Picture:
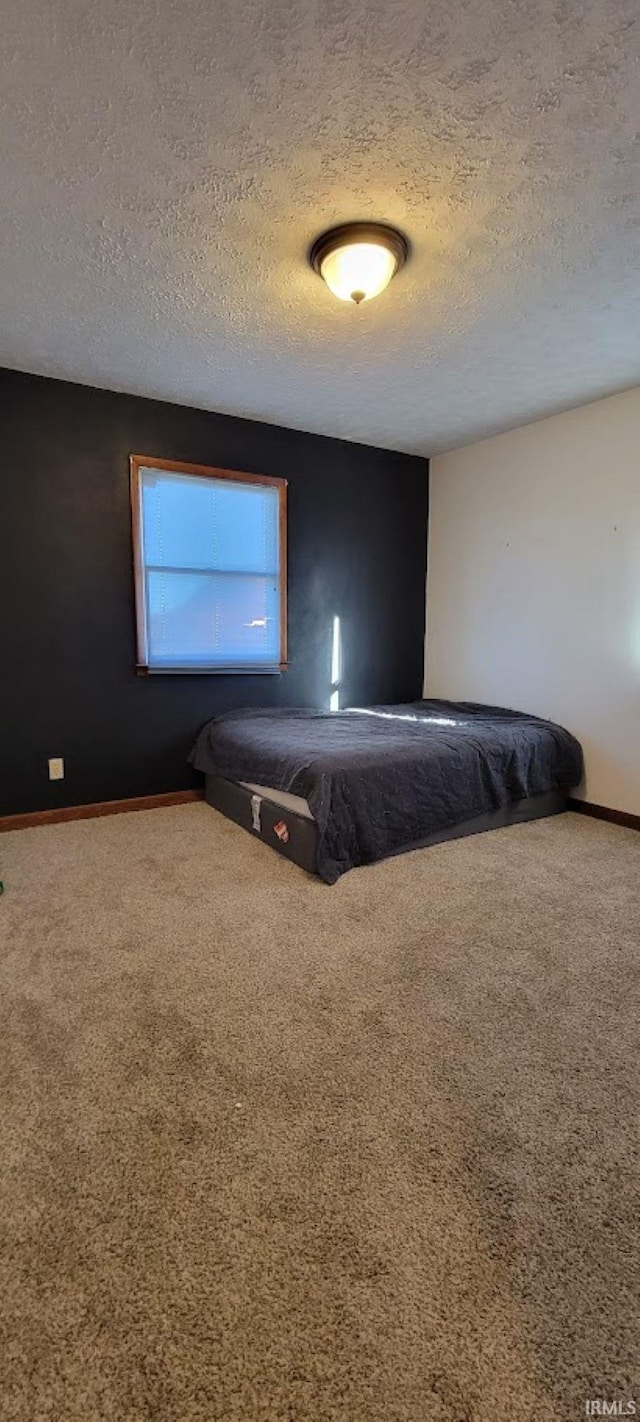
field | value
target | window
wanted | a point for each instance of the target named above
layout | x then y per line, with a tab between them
210	568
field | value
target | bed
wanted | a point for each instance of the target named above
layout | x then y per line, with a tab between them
335	790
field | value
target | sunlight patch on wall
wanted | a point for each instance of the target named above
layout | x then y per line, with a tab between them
336	665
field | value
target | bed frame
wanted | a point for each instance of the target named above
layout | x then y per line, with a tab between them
265	820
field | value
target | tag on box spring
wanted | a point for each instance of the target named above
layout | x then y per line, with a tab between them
256	801
282	832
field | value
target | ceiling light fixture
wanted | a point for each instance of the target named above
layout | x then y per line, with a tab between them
358	260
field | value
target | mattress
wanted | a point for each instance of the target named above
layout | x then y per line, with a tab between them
376	780
295	803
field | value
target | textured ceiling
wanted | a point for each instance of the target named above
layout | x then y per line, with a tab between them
165	164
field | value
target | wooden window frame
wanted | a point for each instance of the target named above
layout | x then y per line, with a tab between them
138	462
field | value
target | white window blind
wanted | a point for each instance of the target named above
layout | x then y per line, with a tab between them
209	571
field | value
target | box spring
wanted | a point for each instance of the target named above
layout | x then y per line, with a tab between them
266	820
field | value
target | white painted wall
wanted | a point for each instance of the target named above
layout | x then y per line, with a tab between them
534	582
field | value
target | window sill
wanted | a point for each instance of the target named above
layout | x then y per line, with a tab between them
212	671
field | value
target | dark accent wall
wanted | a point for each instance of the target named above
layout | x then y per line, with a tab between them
357	547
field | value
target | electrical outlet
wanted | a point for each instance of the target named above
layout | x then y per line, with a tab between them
56	768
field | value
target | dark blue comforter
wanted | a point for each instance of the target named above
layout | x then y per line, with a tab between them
381	778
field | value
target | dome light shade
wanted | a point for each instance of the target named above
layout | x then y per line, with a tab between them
358	260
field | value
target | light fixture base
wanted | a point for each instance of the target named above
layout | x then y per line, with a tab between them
350	232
